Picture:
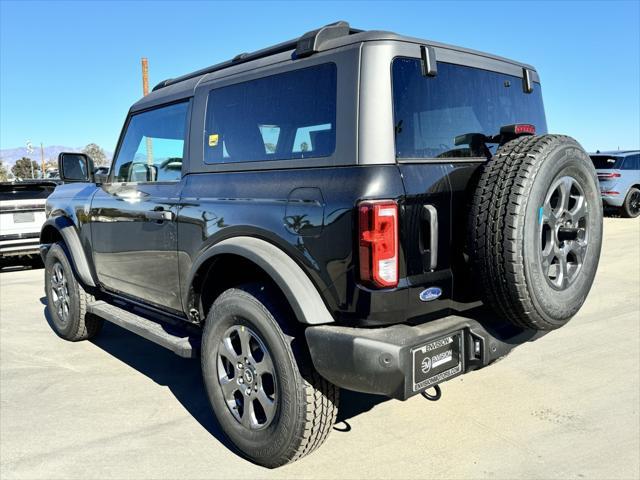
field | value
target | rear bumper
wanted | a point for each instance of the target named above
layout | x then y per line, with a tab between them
379	360
612	200
19	244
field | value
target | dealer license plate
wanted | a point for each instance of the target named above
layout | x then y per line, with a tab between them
437	361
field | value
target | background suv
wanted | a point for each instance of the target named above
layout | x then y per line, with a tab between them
619	176
21	216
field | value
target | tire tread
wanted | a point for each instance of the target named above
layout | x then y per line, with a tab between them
496	227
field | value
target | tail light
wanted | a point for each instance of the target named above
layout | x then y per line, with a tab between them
378	243
610	193
609	175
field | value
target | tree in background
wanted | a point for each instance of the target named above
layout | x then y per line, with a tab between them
22	168
4	173
97	155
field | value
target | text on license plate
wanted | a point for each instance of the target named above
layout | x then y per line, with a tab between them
437	361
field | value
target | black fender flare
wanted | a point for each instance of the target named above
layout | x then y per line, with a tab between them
301	293
69	234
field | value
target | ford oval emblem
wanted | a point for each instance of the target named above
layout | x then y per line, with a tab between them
430	294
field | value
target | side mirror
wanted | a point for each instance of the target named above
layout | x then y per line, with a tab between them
101	175
75	167
142	172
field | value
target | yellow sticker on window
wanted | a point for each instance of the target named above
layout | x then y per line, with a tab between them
213	140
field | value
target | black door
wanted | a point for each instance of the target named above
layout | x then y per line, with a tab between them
133	229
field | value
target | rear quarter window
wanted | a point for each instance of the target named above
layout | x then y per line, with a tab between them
430	113
291	115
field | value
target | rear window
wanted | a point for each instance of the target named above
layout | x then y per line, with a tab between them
285	116
15	191
604	162
431	112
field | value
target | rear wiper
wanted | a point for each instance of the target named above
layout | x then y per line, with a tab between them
478	141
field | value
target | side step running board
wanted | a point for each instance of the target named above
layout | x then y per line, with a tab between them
164	335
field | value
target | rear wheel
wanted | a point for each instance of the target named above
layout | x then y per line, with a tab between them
631	206
261	384
67	300
536	230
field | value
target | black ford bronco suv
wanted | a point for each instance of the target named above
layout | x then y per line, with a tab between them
350	209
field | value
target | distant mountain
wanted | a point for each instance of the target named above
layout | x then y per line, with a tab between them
10	155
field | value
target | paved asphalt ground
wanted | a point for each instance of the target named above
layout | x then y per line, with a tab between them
120	407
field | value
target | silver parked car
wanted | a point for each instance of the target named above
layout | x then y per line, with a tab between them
619	176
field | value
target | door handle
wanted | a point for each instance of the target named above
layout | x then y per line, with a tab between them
160	215
430	216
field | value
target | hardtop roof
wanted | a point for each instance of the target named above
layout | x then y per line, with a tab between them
183	86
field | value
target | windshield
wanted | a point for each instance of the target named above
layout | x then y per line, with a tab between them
430	112
604	162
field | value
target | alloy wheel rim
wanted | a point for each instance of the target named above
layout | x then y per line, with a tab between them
634	203
564	222
247	377
60	293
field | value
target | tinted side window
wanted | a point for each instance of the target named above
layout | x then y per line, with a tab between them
632	162
280	117
447	115
153	146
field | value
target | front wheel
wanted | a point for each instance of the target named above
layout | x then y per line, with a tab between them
66	299
268	399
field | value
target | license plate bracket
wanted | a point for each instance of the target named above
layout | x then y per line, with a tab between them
437	360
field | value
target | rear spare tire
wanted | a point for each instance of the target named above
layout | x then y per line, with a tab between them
536	230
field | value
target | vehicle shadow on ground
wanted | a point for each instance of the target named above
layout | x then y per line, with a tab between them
183	377
611	212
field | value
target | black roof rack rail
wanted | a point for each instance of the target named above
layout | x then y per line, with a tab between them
308	44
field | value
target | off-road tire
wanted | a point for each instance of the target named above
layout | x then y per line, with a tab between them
627	211
505	230
79	325
306	405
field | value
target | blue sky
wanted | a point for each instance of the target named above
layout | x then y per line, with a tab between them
70	70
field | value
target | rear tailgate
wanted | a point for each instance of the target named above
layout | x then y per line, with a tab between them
22	209
425	233
445	129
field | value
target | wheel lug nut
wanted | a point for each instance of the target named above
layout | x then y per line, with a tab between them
248	391
240	380
240	365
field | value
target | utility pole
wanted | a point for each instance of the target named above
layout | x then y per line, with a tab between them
145	92
29	152
42	159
